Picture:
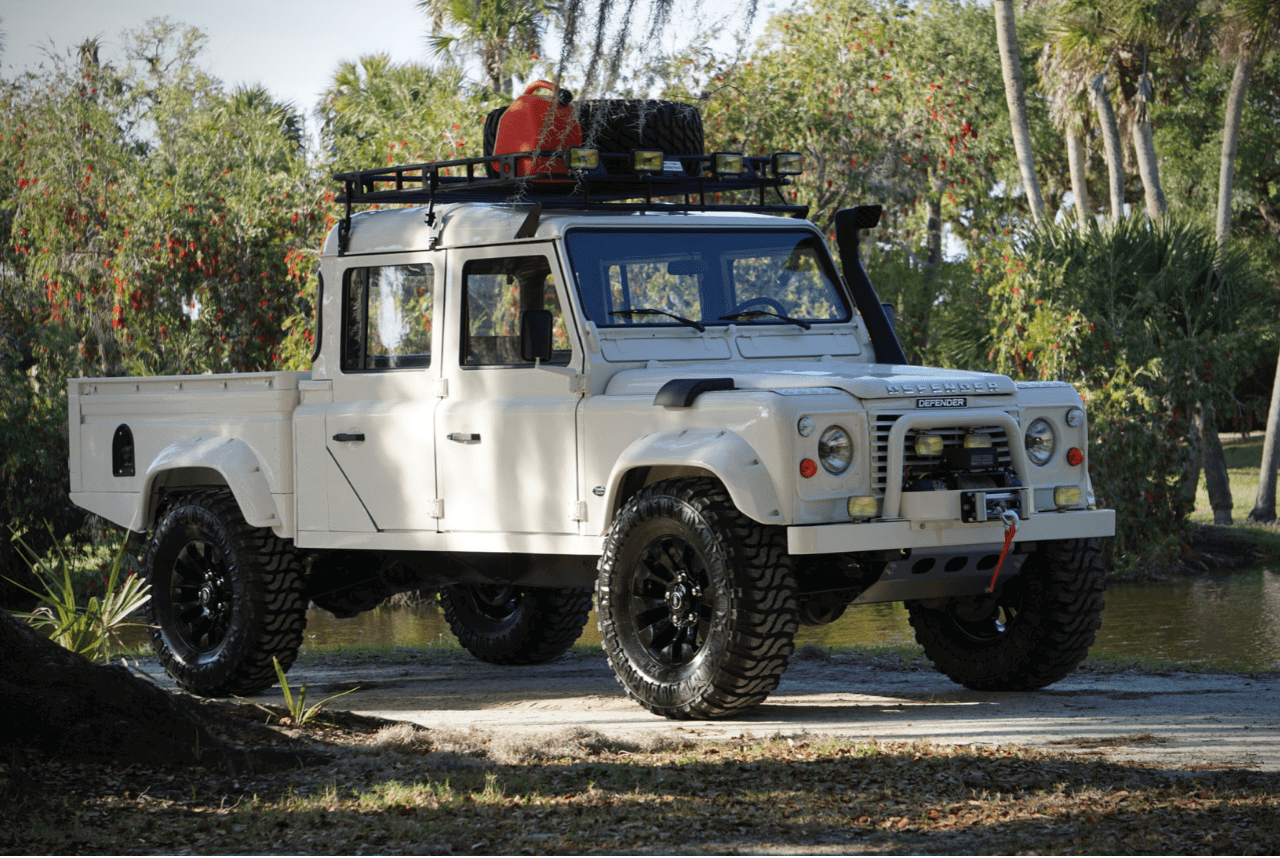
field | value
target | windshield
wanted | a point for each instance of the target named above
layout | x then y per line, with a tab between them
704	277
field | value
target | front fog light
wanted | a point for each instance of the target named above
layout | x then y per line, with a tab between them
863	507
1040	441
1067	496
928	446
976	441
835	450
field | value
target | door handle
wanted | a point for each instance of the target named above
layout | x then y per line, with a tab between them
464	437
349	436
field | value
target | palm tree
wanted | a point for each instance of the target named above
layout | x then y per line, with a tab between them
1015	96
1251	29
1123	40
494	29
1075	59
1069	110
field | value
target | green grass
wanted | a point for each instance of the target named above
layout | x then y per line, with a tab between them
1244	461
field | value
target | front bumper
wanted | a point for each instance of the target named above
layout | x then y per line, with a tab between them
939	533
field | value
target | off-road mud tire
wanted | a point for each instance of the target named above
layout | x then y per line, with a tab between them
515	625
253	610
1031	633
707	633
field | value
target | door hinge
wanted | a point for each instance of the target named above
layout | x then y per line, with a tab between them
437	508
442	388
577	510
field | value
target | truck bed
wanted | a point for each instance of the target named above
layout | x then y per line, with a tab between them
132	437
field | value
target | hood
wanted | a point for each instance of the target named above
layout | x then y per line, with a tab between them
865	381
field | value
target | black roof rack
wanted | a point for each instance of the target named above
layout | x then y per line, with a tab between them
613	185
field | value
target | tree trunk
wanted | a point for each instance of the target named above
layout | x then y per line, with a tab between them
1195	445
1230	139
1110	145
1149	169
1015	96
1216	480
61	705
1264	506
1144	147
933	220
1079	184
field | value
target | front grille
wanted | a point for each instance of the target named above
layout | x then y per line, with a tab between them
952	438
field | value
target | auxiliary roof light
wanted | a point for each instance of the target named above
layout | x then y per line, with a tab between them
788	163
727	163
583	159
646	160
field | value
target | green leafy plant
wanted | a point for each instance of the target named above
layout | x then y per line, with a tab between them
93	629
299	713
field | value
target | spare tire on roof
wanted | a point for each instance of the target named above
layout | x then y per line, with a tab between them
491	136
623	124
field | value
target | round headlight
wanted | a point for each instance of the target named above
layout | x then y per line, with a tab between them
835	450
1040	441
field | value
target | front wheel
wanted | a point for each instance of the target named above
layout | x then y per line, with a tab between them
505	624
697	603
226	598
1030	633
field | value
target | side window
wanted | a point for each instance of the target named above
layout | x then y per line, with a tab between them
496	291
386	317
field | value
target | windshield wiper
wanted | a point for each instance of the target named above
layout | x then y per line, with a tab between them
755	314
697	326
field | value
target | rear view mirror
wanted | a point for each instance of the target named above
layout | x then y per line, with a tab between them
891	313
685	267
535	335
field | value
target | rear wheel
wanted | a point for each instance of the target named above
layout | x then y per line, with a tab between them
697	602
505	624
226	598
1030	633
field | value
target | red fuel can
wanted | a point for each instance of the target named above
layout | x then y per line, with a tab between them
540	120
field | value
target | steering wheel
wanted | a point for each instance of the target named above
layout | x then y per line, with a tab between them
762	300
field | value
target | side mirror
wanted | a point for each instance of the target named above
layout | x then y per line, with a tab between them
891	313
535	335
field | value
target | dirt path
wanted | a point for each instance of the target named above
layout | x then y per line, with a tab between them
1175	720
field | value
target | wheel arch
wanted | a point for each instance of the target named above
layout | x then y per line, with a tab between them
217	461
717	453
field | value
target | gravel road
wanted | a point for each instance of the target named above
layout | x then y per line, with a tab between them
1175	720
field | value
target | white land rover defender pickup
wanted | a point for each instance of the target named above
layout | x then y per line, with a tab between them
530	389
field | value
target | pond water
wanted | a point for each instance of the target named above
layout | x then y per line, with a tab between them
1225	621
